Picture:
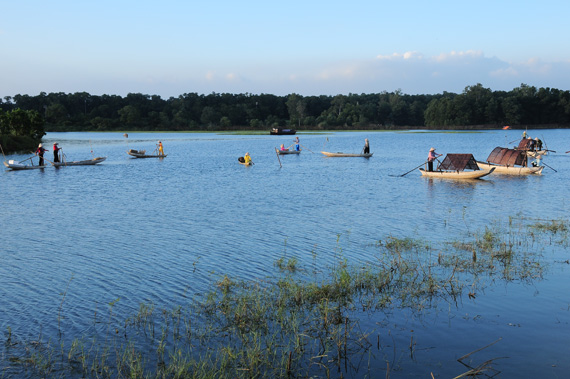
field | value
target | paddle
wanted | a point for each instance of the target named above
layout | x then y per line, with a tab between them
279	159
549	167
305	148
423	163
27	159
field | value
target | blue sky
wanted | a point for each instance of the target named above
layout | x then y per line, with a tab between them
170	47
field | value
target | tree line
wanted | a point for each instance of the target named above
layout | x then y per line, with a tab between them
475	107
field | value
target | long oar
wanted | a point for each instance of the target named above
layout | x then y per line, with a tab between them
423	163
306	148
549	166
27	159
279	159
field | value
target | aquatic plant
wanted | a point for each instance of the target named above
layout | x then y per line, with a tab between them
287	326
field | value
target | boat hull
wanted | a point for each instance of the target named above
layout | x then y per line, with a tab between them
456	174
89	162
280	131
512	170
344	155
137	154
288	152
18	166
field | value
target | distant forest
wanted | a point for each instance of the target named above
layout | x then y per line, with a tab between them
475	108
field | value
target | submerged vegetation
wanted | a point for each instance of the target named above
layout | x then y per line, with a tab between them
292	325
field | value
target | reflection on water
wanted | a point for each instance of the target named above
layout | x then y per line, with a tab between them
163	230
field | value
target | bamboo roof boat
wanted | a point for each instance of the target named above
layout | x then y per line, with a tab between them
510	162
528	146
326	153
454	166
143	154
13	165
88	162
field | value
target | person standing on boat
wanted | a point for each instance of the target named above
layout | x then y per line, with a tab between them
160	149
247	158
432	156
366	149
56	150
40	152
297	144
538	144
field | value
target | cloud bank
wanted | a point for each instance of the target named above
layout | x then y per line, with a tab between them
411	72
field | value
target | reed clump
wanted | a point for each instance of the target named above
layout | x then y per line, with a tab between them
287	326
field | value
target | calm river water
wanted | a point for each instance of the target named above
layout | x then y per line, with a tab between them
163	230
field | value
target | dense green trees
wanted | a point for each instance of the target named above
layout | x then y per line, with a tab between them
475	107
478	106
20	129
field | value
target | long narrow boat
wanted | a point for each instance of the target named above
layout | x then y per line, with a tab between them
88	162
512	170
143	154
456	174
453	166
510	162
326	153
13	165
287	152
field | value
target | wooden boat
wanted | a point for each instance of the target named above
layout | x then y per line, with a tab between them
88	162
13	165
286	152
281	131
510	162
346	155
456	174
241	160
143	154
453	166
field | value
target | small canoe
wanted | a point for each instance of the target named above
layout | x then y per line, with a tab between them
512	170
143	154
88	162
13	165
246	164
346	155
476	174
287	152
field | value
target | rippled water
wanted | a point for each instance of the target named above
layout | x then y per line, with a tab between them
162	230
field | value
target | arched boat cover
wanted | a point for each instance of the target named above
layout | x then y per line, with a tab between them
458	162
525	144
506	157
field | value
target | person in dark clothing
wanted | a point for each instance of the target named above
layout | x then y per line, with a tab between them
56	150
366	146
538	143
40	152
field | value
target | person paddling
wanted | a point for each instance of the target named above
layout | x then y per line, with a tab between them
247	159
56	150
160	149
40	152
432	156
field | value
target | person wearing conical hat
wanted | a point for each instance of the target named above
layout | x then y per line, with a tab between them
40	153
56	150
432	156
